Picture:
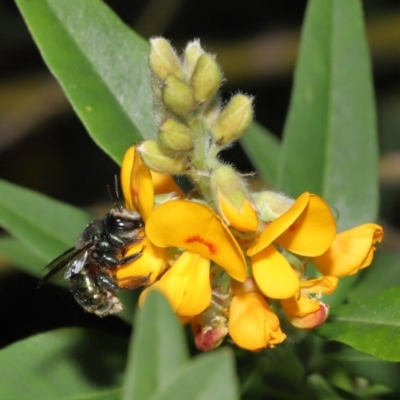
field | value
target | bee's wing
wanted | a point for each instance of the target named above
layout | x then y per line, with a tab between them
72	255
76	263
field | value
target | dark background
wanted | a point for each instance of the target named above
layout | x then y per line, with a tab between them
43	146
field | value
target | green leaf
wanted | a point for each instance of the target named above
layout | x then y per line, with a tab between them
157	349
355	363
208	376
65	363
321	388
371	325
45	226
262	148
330	139
20	256
101	65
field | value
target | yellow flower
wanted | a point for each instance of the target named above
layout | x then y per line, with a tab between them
307	312
350	251
139	189
205	237
252	323
306	229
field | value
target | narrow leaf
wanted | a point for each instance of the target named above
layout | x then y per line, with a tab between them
19	256
65	363
45	226
330	139
356	363
208	376
157	349
262	148
371	325
101	65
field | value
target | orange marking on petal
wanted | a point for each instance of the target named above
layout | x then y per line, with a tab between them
292	228
198	239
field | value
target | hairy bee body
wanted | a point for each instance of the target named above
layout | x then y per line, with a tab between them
92	296
91	264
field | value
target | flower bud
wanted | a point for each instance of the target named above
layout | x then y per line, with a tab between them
178	96
192	53
231	198
312	320
174	136
163	59
206	78
270	205
209	329
211	112
154	158
234	120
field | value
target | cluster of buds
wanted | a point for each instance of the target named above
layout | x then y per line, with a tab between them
229	260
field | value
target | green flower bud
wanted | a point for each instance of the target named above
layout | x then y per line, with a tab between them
270	205
174	136
154	158
192	53
234	120
178	96
211	112
163	59
206	78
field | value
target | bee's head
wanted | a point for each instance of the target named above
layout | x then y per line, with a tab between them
123	220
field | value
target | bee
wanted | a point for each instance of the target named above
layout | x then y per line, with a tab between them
91	264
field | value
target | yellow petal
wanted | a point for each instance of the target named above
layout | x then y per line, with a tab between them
163	183
126	170
187	284
142	190
307	228
149	263
351	250
252	324
274	275
195	227
299	306
323	284
244	220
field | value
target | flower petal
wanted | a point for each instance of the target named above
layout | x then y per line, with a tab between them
244	220
252	324
187	284
163	183
299	306
351	250
274	275
150	263
195	227
323	284
126	170
141	186
280	224
307	228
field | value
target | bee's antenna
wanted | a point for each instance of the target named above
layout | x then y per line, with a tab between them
116	198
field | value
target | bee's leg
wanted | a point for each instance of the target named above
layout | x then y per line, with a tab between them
107	282
133	257
115	263
133	282
118	242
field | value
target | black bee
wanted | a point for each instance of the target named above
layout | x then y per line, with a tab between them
90	265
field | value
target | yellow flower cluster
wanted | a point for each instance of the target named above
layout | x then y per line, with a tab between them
228	260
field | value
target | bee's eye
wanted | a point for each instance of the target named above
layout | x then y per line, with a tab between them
124	224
